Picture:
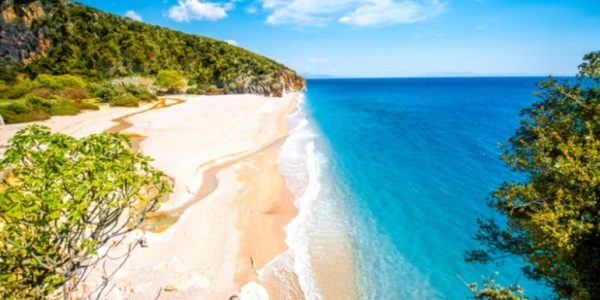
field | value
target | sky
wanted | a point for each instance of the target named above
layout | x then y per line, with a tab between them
390	38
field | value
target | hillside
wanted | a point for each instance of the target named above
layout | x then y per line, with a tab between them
61	37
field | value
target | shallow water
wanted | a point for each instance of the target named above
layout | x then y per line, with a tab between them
401	169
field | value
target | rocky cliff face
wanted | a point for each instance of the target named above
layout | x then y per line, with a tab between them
21	40
271	85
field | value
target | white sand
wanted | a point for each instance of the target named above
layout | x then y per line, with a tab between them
205	128
197	257
85	123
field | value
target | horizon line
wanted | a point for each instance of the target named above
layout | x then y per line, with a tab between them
434	76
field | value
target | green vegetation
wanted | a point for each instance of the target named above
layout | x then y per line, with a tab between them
34	108
61	199
60	82
51	95
59	50
124	100
553	216
170	80
139	93
82	41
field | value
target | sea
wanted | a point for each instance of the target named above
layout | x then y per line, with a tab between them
390	176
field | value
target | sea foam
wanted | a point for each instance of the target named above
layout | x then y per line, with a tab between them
297	163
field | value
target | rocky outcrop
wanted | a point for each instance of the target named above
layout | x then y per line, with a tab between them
20	40
25	12
270	85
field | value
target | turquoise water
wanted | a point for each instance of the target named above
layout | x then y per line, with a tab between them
409	164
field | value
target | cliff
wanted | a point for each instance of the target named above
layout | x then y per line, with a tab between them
61	37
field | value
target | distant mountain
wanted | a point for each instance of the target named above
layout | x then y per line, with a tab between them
62	37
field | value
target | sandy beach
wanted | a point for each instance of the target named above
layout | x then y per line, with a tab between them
225	219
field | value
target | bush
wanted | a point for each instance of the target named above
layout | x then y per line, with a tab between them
88	106
34	108
147	96
3	88
74	94
43	93
170	80
140	93
13	118
104	91
126	100
19	107
18	111
38	103
15	91
63	107
63	199
59	82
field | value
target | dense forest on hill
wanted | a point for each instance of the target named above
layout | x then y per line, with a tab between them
61	37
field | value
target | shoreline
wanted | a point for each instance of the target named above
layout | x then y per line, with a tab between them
226	223
244	202
213	147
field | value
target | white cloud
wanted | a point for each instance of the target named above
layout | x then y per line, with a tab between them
133	15
390	12
231	42
351	12
187	10
304	12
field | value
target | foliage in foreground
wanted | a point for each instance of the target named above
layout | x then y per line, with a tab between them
61	199
554	215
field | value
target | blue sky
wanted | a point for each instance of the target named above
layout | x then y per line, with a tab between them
391	38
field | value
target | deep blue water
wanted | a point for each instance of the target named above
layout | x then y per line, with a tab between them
418	157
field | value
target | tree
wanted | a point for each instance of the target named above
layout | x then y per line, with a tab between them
553	215
61	200
170	80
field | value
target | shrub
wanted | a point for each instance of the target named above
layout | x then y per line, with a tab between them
140	93
38	103
61	200
3	87
170	80
74	94
17	90
126	100
104	91
63	107
18	111
146	95
19	107
42	92
59	82
88	106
